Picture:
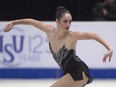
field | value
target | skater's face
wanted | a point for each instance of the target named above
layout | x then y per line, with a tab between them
65	21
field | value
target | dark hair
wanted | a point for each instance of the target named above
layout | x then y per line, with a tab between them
61	11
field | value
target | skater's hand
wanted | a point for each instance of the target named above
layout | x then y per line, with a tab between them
108	55
9	27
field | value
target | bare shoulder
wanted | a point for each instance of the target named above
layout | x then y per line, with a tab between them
50	33
83	35
75	34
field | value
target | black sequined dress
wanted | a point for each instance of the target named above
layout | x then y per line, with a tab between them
70	63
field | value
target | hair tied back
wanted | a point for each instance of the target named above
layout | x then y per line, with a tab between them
60	8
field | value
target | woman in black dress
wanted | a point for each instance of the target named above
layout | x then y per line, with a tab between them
62	43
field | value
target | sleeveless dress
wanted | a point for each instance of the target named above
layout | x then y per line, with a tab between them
70	63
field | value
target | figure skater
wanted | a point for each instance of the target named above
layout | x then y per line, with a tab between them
62	43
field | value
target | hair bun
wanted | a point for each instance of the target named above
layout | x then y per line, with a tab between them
60	11
60	8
